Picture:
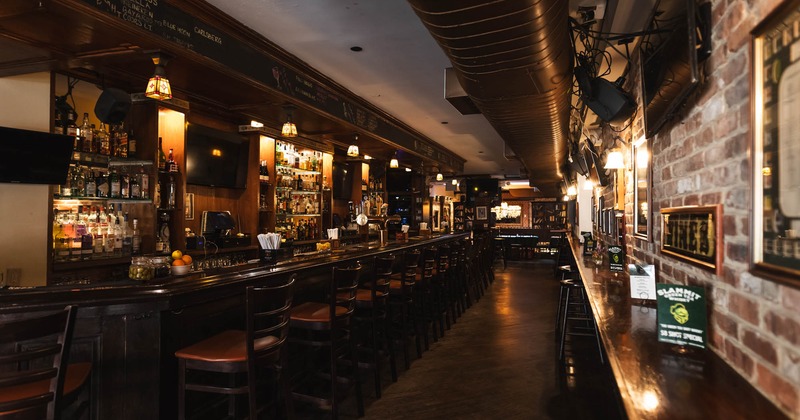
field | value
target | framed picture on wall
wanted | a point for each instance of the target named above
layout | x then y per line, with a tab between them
480	213
776	145
694	234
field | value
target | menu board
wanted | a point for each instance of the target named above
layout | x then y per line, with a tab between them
616	258
643	281
681	315
175	25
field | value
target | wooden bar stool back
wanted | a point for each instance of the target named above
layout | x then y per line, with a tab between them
33	361
327	326
259	346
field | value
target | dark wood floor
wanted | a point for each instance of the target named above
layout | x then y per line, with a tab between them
498	362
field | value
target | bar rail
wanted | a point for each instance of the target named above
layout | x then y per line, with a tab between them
654	379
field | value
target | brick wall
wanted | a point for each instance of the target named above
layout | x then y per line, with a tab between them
703	158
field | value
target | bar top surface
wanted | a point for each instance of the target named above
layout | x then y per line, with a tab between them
654	379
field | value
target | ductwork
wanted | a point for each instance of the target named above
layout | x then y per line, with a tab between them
514	60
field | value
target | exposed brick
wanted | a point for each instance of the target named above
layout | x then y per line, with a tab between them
736	252
736	94
790	364
781	326
760	346
726	324
738	359
781	390
737	199
743	307
730	276
729	223
710	198
745	224
790	298
691	200
717	340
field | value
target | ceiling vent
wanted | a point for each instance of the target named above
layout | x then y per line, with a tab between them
455	94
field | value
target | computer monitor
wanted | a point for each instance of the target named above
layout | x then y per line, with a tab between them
219	223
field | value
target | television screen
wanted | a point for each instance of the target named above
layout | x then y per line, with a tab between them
596	172
399	180
215	158
342	180
668	61
34	157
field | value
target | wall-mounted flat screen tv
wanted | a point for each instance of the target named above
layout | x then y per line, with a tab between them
215	158
669	61
342	180
34	157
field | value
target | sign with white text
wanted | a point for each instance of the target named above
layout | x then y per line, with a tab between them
681	315
643	281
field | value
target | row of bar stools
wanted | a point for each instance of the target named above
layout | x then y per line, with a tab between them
575	316
259	346
401	301
325	329
372	320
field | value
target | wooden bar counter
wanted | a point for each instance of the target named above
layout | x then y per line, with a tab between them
130	330
654	380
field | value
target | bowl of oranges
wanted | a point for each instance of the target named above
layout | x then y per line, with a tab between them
181	263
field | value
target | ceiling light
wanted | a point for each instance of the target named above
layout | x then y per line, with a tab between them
439	177
352	151
256	124
455	182
367	157
408	169
572	191
614	160
158	86
588	185
289	129
394	163
566	198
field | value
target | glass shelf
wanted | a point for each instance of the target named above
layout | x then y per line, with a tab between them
129	162
299	214
298	170
297	192
103	199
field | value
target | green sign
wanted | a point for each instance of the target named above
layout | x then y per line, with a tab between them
616	258
681	315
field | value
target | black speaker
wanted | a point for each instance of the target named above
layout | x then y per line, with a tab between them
609	102
112	106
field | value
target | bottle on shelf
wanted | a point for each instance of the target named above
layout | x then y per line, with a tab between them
102	185
72	130
135	190
99	231
86	135
172	166
66	187
118	237
136	238
103	139
78	183
90	187
124	185
121	137
171	192
110	237
299	184
127	237
144	183
162	158
131	145
76	244
114	189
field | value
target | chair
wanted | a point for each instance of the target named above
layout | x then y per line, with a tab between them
36	381
371	316
327	325
232	352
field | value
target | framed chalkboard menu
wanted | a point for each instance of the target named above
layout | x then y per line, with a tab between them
776	145
693	234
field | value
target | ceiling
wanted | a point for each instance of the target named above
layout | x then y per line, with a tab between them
400	67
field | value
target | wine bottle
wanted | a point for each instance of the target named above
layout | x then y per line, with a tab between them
162	158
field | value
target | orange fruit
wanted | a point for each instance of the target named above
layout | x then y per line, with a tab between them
178	262
187	259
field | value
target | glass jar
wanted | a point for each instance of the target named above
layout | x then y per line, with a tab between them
141	269
161	266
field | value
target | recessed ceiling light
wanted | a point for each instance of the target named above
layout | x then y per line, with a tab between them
356	48
445	122
480	151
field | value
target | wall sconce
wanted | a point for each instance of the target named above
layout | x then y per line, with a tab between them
615	160
408	169
158	86
394	163
289	129
352	151
572	191
454	181
439	177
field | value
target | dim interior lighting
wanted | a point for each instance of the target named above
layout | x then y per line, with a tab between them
216	152
408	169
505	211
454	182
572	191
614	160
256	124
439	177
650	400
352	151
642	156
588	185
766	171
289	129
565	198
367	157
394	163
158	86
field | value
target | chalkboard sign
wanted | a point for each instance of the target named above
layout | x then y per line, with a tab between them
681	315
177	26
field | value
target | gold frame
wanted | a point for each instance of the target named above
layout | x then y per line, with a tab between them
775	247
688	218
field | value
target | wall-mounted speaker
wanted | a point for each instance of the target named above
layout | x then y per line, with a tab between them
610	102
112	106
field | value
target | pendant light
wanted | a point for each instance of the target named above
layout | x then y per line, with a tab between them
352	151
289	129
158	87
394	163
439	177
614	160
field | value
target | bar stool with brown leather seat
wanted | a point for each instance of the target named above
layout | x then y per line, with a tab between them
401	301
324	329
260	346
372	320
47	383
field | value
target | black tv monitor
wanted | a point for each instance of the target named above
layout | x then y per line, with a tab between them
215	158
34	157
399	180
669	61
342	180
217	223
596	172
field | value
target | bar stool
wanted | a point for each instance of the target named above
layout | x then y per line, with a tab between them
231	352
574	295
401	300
371	317
500	250
443	301
48	383
326	327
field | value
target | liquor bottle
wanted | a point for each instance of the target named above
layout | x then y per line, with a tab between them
72	130
136	238
172	166
114	184
131	145
135	190
299	183
108	243
75	251
144	184
98	232
102	138
86	135
86	236
78	184
162	158
102	185
127	237
122	141
58	123
171	192
157	195
66	187
90	186
117	237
